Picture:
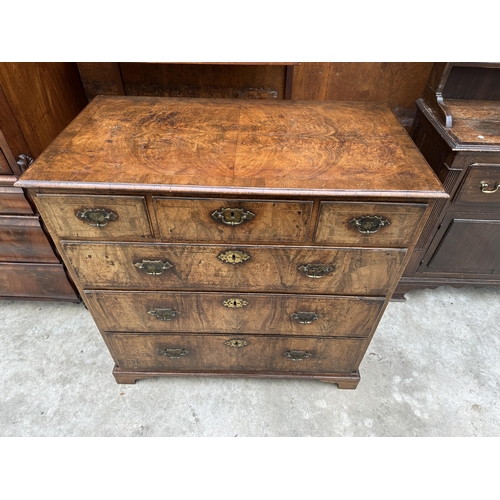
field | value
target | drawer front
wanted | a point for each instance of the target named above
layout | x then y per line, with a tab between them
234	313
13	201
4	164
230	352
368	224
35	281
96	217
218	267
23	240
482	185
208	220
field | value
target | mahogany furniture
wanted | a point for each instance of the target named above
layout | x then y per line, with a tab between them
457	129
37	100
232	237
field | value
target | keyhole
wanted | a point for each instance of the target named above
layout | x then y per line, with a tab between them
233	256
234	303
232	215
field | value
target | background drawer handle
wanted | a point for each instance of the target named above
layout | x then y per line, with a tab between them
305	318
96	217
316	270
233	216
484	187
369	224
164	314
236	343
153	267
297	355
173	353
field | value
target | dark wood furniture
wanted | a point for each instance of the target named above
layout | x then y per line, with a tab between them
37	101
231	237
457	129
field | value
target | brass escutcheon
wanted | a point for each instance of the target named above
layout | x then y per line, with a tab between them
233	256
316	270
484	187
305	318
173	353
233	216
153	267
164	314
96	217
235	303
297	355
369	224
236	343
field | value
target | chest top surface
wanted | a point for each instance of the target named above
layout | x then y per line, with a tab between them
181	145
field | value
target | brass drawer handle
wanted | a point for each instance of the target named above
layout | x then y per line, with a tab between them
164	314
484	187
153	267
297	355
305	318
233	256
236	343
316	270
235	303
233	216
96	217
173	353
369	224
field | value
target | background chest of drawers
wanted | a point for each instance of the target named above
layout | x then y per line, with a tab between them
224	238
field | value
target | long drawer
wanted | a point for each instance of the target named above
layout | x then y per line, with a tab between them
234	313
352	271
244	353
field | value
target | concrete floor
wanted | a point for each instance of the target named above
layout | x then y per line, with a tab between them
432	370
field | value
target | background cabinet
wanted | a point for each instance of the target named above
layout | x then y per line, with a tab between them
37	100
457	129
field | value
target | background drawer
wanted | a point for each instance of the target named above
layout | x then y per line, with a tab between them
23	240
255	313
268	221
12	199
131	222
35	281
359	271
334	225
210	352
470	191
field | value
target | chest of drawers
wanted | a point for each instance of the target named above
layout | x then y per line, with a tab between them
234	238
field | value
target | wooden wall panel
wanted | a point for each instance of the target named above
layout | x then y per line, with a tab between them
397	84
186	80
44	98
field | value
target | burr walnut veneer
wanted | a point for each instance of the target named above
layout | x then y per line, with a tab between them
234	238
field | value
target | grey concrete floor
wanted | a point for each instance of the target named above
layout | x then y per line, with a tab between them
433	369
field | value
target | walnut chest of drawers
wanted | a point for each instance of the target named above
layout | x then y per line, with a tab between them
234	238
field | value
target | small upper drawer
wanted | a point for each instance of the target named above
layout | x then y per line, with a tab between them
368	224
12	199
482	185
252	221
96	217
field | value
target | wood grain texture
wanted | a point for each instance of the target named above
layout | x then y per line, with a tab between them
59	212
269	269
12	199
116	311
23	240
210	80
398	84
188	219
44	98
282	147
35	281
334	226
209	352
